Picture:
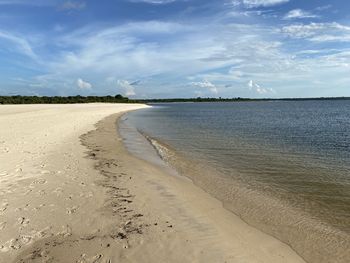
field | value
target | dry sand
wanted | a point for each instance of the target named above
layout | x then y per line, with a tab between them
70	192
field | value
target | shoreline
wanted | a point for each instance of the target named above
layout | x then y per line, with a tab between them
137	212
310	252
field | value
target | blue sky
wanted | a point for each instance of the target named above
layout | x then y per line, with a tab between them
175	48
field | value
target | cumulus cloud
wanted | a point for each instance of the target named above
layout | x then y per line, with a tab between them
128	87
298	14
83	84
206	85
256	87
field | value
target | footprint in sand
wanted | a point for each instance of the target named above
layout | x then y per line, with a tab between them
39	181
3	207
3	173
20	242
24	208
4	248
15	244
72	210
57	172
42	233
39	207
86	195
27	192
2	225
66	232
97	258
58	191
23	221
6	150
41	192
81	259
19	170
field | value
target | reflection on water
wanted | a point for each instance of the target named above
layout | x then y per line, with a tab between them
282	166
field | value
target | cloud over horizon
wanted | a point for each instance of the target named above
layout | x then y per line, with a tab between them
127	87
280	48
83	84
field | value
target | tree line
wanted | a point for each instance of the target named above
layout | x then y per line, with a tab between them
61	100
121	99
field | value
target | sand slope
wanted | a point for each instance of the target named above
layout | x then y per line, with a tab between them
69	197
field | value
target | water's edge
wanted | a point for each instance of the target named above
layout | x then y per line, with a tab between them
302	236
162	158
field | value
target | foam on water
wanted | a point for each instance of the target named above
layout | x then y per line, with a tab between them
143	146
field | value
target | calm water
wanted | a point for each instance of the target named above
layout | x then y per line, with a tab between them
283	167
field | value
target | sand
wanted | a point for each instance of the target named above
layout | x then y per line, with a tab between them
70	192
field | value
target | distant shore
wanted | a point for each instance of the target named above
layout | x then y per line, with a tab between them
121	99
70	192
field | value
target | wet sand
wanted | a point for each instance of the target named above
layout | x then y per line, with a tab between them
70	192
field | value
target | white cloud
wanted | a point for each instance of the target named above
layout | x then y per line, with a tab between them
72	5
235	3
26	2
298	14
206	85
21	44
83	84
222	58
256	87
131	52
263	3
319	32
60	4
134	52
128	88
323	7
156	2
331	38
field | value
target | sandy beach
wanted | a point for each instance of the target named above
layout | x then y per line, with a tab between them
70	192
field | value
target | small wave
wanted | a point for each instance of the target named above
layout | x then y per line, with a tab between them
314	240
162	150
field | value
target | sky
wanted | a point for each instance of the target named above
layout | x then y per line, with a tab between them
175	48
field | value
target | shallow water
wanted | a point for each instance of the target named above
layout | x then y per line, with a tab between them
283	166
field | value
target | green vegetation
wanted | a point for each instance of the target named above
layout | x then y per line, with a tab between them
120	99
61	100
